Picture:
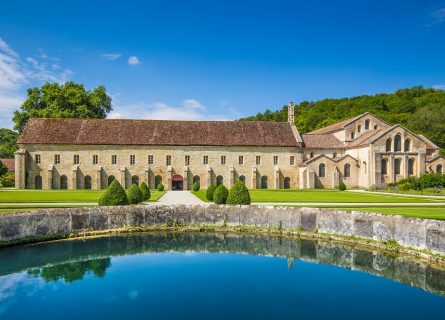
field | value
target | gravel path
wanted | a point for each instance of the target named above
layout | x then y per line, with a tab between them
179	197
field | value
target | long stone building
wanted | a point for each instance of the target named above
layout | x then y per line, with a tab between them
89	154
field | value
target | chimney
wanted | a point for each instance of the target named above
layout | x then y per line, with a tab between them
291	112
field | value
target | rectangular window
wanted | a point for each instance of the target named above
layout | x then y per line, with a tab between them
292	160
275	160
151	159
132	159
37	158
57	159
187	160
95	159
113	159
205	160
258	160
241	160
76	159
168	160
223	160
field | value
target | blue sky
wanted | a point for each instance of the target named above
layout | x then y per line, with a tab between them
219	59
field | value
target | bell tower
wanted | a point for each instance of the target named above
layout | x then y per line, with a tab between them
291	112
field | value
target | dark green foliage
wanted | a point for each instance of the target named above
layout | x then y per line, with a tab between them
419	109
221	194
3	169
69	100
426	181
210	191
114	196
196	186
239	194
160	187
145	192
7	180
134	194
8	145
342	186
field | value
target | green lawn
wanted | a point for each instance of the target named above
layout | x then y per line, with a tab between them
417	212
333	196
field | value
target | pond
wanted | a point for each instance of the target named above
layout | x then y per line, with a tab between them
213	276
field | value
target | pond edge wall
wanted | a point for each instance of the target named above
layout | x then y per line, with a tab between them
421	234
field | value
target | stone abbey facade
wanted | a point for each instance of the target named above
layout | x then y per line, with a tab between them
89	154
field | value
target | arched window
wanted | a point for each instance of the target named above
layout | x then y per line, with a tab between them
347	170
135	180
439	168
376	127
312	155
388	145
63	182
334	155
243	179
321	170
397	165
87	182
398	143
196	179
111	179
352	135
219	180
407	145
158	180
359	128
411	166
367	124
38	182
264	182
384	166
287	183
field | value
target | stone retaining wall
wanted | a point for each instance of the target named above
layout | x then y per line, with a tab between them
410	232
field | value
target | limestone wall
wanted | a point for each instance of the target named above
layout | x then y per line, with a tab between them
410	232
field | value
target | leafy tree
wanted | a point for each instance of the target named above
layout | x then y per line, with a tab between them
134	194
221	194
210	191
3	169
239	194
7	180
114	196
145	192
8	139
69	100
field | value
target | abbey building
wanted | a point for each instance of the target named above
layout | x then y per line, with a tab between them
89	154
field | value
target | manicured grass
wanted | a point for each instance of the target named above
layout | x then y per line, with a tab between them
416	212
332	196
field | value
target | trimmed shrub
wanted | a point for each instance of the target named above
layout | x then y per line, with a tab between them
342	186
114	196
3	169
196	186
7	180
134	194
221	194
239	194
160	187
146	194
210	191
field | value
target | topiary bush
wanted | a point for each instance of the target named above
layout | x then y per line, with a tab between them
342	186
160	187
221	194
210	191
8	180
196	186
134	194
146	194
114	196
239	194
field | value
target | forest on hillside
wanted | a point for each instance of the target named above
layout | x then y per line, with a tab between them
419	109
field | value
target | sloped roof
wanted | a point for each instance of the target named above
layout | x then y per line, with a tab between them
336	159
336	126
157	132
321	141
364	139
429	144
9	163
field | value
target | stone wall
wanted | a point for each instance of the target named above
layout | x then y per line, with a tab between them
409	232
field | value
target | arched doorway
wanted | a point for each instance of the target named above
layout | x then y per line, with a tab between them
196	179
219	180
264	182
177	182
287	183
243	179
158	180
38	182
135	180
111	179
87	182
63	182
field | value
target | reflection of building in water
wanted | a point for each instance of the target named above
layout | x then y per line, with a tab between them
290	263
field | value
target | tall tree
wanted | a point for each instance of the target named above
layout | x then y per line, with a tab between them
69	100
8	139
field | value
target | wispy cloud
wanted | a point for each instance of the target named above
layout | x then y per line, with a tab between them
436	18
111	56
439	87
133	60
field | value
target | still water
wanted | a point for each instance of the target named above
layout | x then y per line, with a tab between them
208	276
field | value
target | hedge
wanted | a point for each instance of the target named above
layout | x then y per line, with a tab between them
239	194
210	191
134	194
221	194
146	194
196	186
114	196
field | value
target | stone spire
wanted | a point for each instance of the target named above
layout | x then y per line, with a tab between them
291	112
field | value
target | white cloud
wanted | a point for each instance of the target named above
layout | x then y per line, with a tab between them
110	56
133	60
7	49
439	87
436	17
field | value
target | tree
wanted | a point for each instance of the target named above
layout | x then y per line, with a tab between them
134	194
114	196
7	180
3	169
145	192
69	100
8	146
239	194
221	194
430	121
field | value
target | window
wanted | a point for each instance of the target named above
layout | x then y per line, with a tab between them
407	145
376	127
286	183
219	180
205	159
334	155
187	160
439	168
223	160
321	170
384	166
275	160
158	181
292	160
398	143
312	155
135	180
264	182
113	159
397	165
132	159
352	135
258	160
347	170
151	159
411	166
367	124
95	159
37	158
57	159
196	179
87	182
63	182
76	159
241	160
168	160
388	145
359	128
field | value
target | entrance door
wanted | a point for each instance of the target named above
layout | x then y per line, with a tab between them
177	182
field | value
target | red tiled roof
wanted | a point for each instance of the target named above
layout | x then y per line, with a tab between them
9	163
364	139
157	132
321	141
335	126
